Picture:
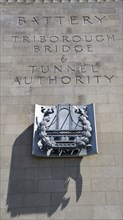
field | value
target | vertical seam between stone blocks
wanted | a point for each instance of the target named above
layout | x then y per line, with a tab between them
51	199
91	184
106	198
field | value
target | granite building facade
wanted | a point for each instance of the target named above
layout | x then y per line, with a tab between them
51	53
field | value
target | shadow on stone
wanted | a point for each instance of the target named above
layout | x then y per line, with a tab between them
39	185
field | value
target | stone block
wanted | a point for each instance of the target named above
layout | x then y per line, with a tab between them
7	140
38	173
37	200
58	199
58	173
65	172
5	162
9	119
79	212
108	117
118	160
23	187
71	171
97	98
110	138
17	174
107	108
110	10
52	163
91	172
108	212
52	186
72	162
6	61
114	198
78	185
110	149
50	213
3	187
99	160
6	151
111	127
120	184
115	98
72	99
104	184
86	198
13	129
15	200
25	161
115	90
4	214
114	171
15	100
98	172
19	153
18	213
4	175
92	198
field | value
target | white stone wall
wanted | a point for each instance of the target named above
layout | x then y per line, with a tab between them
75	189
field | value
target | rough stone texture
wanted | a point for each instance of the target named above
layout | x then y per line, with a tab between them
62	189
54	1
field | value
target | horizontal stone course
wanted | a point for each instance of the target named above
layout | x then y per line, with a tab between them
109	108
110	138
99	172
38	173
99	160
108	127
104	184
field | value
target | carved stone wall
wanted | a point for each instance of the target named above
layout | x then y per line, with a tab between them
60	53
56	1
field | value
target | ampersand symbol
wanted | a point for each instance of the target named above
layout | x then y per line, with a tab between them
63	59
